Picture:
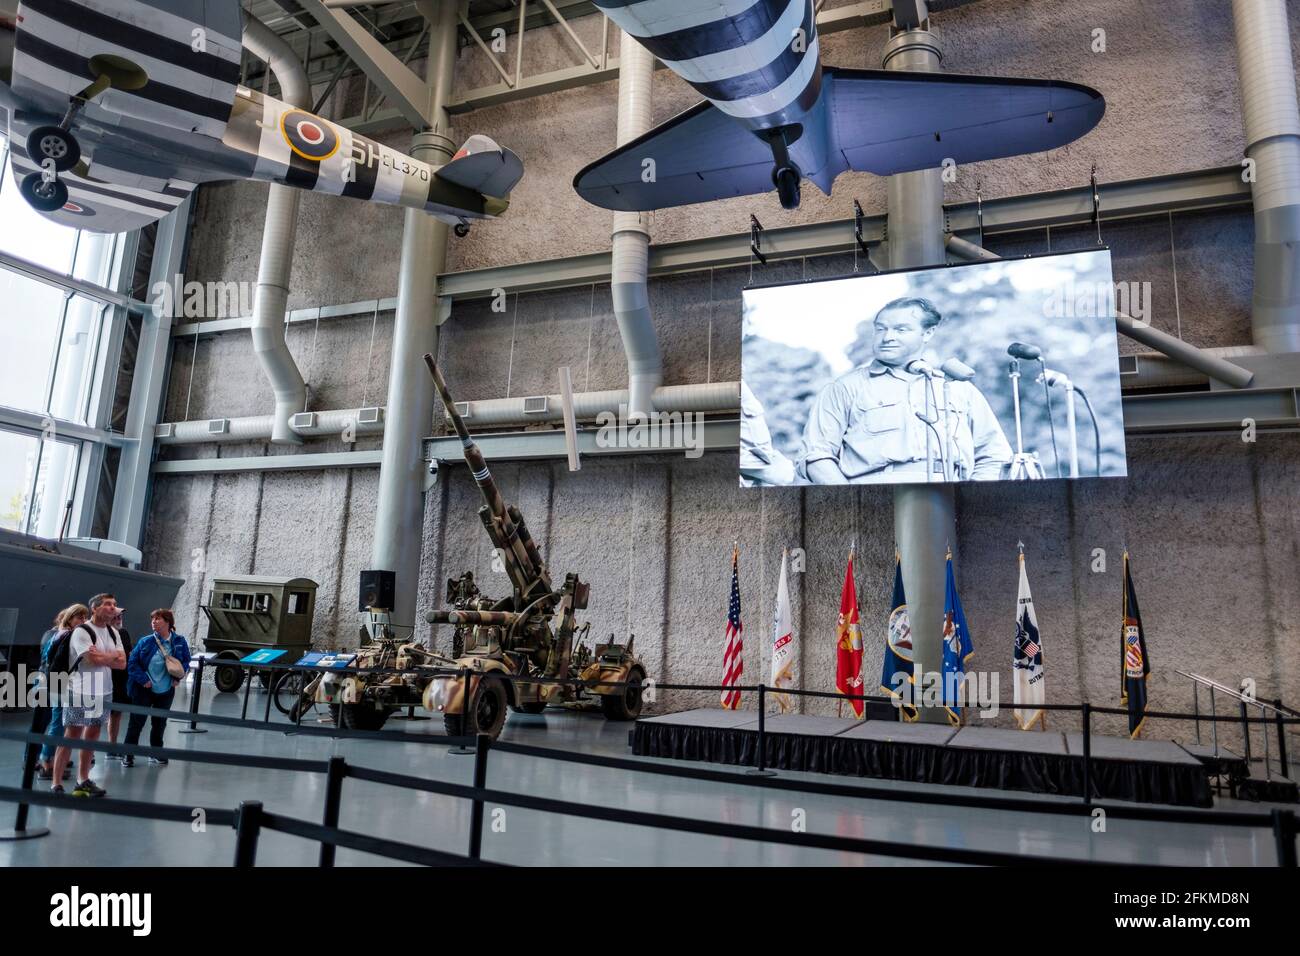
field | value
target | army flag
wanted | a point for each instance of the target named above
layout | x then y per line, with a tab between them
896	669
782	643
957	647
848	643
733	664
1134	663
1027	660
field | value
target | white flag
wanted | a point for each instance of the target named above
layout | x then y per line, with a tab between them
782	643
1027	660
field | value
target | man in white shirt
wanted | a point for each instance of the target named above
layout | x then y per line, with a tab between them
95	651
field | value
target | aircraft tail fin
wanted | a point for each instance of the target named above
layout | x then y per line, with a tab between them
483	166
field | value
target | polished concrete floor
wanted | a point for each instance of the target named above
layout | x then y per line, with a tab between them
532	838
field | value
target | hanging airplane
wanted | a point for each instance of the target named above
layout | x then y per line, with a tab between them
118	109
774	116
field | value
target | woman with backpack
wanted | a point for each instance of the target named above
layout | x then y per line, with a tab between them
92	651
158	663
64	622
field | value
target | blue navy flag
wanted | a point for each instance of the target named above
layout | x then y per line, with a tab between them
896	669
957	647
1135	666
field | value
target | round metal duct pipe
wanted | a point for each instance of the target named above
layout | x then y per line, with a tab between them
278	233
1272	121
630	243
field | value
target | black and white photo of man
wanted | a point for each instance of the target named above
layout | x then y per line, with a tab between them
898	419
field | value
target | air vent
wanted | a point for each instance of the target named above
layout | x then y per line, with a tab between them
303	420
1128	365
369	416
218	426
164	430
535	405
462	409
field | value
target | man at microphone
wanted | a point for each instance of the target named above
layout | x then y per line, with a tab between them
870	424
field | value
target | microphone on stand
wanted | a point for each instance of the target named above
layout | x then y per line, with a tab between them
1029	353
922	367
957	370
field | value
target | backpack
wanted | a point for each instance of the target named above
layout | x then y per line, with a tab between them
61	651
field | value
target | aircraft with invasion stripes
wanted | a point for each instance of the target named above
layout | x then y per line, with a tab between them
117	109
773	116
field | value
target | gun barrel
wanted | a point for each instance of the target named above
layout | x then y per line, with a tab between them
473	457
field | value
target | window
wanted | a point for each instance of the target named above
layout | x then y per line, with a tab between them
37	479
298	602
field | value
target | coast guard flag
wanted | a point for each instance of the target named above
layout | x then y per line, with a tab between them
957	647
848	643
1134	663
1027	660
896	669
733	664
782	643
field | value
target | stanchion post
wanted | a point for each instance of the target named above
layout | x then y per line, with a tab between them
761	769
1245	732
1281	739
248	827
195	690
270	692
1087	752
336	771
30	753
465	712
248	689
482	745
1284	834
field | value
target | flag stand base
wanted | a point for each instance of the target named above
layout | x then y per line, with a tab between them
28	834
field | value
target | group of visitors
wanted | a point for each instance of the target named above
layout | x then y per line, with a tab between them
90	662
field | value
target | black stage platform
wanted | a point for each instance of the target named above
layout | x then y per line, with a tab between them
1147	771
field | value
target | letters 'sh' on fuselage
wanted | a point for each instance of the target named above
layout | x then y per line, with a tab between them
118	109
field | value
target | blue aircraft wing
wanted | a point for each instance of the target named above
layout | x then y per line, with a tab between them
697	156
886	123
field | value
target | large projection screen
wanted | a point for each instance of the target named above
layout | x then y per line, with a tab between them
913	376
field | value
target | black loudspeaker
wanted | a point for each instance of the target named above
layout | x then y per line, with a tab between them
378	589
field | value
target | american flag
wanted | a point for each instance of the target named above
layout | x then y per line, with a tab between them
733	665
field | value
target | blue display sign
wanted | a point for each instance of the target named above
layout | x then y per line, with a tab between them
264	656
326	660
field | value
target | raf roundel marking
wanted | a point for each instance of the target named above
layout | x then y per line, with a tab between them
77	209
308	136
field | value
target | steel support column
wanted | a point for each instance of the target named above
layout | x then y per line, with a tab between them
148	385
924	522
399	511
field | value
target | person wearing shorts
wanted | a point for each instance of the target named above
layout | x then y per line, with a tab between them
96	650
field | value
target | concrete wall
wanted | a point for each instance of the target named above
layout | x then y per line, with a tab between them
1209	520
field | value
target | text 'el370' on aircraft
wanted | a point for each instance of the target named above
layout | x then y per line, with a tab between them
775	116
117	109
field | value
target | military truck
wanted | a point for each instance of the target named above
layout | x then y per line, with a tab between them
523	651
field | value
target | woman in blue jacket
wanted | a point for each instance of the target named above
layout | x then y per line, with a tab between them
149	684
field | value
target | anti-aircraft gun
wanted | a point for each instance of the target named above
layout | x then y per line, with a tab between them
533	633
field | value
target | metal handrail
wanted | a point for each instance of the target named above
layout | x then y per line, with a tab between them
1280	712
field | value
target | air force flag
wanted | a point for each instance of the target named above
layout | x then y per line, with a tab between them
1027	660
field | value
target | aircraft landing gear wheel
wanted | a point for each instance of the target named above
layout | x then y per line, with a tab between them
461	229
41	195
626	704
787	186
56	143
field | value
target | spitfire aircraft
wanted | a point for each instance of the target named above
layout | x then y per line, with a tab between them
118	109
775	116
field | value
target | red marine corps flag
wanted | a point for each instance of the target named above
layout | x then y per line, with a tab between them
733	664
848	642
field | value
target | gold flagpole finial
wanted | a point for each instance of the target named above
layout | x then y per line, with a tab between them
1021	546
